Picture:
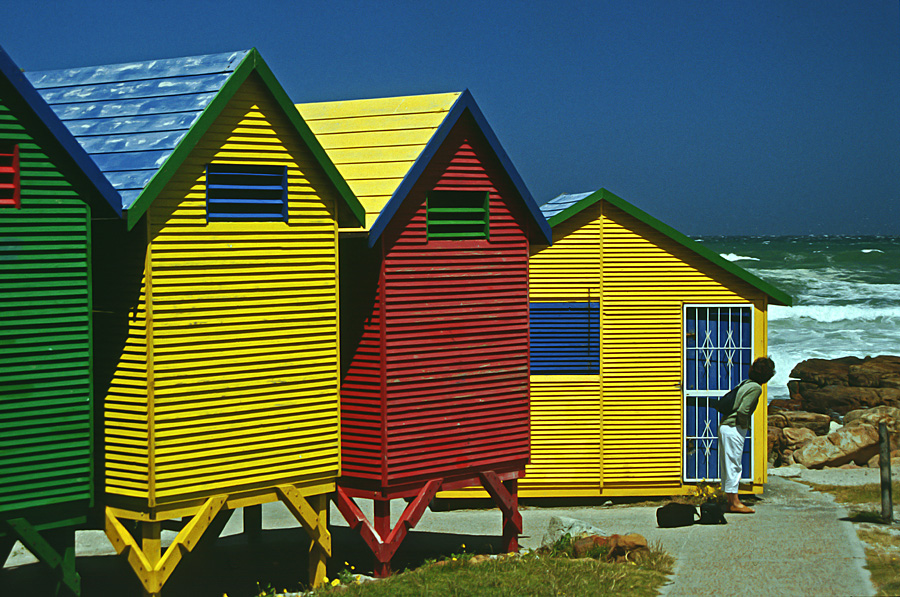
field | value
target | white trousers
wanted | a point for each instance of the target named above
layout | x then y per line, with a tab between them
731	446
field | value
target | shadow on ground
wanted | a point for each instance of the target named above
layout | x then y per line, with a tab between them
233	566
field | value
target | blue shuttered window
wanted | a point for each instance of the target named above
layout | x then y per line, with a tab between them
565	338
456	215
9	176
240	192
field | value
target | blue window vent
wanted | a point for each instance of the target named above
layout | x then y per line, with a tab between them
242	192
565	338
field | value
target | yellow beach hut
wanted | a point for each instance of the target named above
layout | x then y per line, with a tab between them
635	328
216	299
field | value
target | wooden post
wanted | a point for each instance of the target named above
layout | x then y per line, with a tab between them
151	546
510	530
887	504
318	557
253	523
383	529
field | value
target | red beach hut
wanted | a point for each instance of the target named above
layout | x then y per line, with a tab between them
434	309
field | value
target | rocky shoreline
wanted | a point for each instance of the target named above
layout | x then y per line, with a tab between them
831	419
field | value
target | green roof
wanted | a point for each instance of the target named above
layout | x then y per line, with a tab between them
561	208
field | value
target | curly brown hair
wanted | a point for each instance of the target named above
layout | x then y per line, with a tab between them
762	370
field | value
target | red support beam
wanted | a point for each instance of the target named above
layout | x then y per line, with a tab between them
506	495
379	537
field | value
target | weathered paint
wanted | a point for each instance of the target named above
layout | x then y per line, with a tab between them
435	330
219	349
621	432
46	381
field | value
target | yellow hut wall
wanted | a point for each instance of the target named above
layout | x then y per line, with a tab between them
236	387
621	433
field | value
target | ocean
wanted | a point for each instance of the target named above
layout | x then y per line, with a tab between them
846	293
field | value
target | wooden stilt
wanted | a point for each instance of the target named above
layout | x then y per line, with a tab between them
506	496
318	557
152	566
62	565
382	516
253	523
315	521
379	537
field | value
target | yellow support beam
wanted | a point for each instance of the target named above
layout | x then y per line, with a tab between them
152	570
313	518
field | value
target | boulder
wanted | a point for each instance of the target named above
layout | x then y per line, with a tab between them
875	461
849	444
588	546
777	420
825	372
843	399
797	437
627	548
775	443
879	372
779	404
873	416
562	525
818	423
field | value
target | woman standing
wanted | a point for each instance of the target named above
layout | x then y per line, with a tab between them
733	431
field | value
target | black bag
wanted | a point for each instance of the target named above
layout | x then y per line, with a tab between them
674	514
712	513
725	404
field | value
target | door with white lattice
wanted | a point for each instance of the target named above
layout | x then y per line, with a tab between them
718	349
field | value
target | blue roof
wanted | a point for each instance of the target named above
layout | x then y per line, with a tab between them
130	117
78	164
556	205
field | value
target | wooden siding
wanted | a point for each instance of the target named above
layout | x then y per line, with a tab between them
569	270
374	142
45	340
646	280
566	418
241	319
455	333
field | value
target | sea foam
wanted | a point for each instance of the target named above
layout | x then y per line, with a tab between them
735	257
831	314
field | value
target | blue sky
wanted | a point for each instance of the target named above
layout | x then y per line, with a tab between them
716	117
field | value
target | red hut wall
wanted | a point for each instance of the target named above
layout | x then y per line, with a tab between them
448	325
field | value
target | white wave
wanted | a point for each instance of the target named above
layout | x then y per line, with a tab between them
734	257
831	314
872	251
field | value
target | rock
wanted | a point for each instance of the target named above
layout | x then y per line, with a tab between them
562	525
779	404
818	423
624	548
775	442
797	437
586	546
824	372
873	416
777	420
875	461
477	559
857	444
844	399
834	426
849	465
879	372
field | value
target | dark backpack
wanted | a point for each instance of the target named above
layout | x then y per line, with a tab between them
674	514
725	404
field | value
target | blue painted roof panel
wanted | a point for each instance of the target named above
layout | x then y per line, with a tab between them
558	204
130	117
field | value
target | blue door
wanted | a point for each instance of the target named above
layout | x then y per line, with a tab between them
718	349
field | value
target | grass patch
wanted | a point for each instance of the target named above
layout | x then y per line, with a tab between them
882	559
520	575
857	494
882	547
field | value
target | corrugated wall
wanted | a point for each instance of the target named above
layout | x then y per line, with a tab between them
243	321
45	342
646	280
566	458
457	326
570	269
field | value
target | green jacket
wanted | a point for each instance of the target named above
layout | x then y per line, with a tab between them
744	404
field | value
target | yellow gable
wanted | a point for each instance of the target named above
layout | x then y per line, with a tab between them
375	142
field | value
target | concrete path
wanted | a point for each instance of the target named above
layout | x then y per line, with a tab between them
796	544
